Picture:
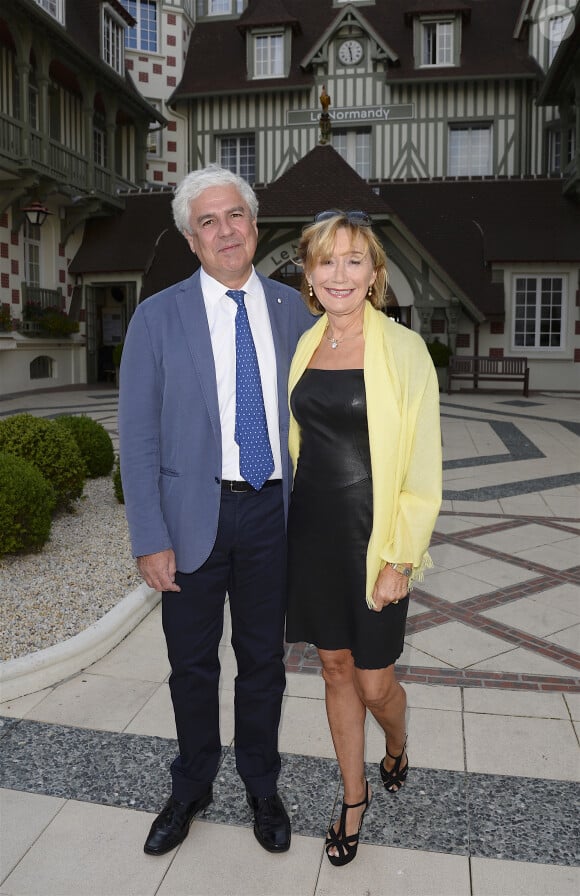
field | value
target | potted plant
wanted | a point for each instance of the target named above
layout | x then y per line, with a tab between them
440	354
5	319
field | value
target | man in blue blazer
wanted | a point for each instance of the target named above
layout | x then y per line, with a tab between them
198	528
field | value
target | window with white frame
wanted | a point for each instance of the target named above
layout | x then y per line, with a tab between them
113	39
268	55
238	154
538	312
55	8
355	148
220	7
561	148
143	36
31	254
437	43
469	151
556	33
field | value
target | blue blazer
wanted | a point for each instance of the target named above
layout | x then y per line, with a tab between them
169	425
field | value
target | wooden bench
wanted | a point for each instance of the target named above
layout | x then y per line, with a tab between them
480	369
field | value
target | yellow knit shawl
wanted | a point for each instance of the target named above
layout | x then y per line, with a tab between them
405	440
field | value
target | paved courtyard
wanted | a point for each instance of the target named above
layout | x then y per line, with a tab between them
491	667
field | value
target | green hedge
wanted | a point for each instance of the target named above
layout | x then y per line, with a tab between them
26	504
93	441
51	449
117	483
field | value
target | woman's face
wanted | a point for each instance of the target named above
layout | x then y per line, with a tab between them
341	282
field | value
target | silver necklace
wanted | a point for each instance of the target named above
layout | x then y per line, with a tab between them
334	342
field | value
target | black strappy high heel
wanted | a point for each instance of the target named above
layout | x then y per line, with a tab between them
396	777
346	845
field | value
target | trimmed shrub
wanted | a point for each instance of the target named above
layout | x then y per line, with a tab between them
51	449
117	483
94	443
26	504
440	353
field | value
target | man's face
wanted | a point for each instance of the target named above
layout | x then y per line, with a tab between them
223	235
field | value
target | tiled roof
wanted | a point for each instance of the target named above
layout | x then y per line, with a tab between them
320	180
266	12
464	227
143	238
468	225
216	61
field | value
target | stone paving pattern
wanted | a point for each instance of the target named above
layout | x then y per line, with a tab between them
492	671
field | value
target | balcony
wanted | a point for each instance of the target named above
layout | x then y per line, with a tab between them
25	148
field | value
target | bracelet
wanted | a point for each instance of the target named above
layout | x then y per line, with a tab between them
402	569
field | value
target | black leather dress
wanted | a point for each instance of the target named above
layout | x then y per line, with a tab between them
330	522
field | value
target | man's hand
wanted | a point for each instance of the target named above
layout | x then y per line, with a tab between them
158	570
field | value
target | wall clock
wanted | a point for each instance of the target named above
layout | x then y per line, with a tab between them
350	52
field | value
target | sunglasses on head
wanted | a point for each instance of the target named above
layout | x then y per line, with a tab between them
355	216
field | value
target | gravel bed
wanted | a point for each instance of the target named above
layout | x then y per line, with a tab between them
81	573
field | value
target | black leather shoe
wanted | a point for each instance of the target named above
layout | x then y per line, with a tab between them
271	822
171	826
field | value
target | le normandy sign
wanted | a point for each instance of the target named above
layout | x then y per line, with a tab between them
349	114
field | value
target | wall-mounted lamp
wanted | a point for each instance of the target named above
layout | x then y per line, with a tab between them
36	213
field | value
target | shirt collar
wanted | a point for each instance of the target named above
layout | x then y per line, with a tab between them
213	290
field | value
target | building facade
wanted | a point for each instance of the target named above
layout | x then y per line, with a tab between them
457	122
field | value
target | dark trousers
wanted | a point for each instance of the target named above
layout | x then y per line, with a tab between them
249	562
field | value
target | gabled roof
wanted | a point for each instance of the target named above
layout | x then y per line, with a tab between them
348	14
128	241
320	180
263	13
216	59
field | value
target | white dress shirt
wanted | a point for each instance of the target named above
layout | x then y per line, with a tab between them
221	315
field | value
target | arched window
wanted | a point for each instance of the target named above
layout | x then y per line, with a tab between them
41	368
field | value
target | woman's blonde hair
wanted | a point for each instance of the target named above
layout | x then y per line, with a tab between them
317	243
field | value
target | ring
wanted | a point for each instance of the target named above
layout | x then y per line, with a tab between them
395	601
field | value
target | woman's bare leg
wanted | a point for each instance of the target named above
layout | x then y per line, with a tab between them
346	717
381	693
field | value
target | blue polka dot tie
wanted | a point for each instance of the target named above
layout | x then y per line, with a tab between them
251	433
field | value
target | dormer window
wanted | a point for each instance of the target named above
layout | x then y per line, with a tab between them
113	39
219	7
268	55
437	41
557	32
55	8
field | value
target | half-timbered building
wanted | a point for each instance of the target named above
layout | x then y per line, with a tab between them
455	123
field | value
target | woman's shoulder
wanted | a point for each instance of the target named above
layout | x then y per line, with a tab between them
400	337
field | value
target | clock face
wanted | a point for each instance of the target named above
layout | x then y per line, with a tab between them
350	52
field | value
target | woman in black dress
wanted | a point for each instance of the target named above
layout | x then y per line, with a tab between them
366	446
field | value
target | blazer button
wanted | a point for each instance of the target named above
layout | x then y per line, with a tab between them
217	480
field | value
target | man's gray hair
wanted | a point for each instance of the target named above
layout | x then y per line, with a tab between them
194	183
